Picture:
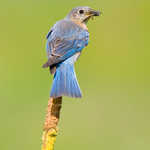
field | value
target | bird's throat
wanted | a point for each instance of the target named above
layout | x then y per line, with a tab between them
81	24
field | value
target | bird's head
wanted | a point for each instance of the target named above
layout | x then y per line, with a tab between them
82	14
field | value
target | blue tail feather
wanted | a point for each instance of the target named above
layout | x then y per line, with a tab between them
65	82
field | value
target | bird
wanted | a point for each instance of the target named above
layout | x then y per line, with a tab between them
65	42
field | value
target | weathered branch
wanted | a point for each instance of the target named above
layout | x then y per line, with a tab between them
50	126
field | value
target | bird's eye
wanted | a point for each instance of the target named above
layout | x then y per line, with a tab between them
81	11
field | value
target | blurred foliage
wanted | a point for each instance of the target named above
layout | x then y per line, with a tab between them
113	72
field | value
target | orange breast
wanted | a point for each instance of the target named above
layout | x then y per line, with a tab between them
82	25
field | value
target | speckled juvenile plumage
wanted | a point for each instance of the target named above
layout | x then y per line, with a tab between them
65	42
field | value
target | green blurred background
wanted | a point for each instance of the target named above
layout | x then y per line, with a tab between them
113	73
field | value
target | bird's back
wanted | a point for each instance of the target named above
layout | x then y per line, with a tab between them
67	29
64	40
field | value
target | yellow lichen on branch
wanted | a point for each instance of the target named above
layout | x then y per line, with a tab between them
50	126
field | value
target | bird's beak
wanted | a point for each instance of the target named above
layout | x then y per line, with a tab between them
93	12
90	14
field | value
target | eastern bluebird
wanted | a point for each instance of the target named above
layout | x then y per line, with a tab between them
65	41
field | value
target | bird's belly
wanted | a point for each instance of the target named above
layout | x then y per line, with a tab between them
72	59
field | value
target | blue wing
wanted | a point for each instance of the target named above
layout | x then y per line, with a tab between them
64	40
